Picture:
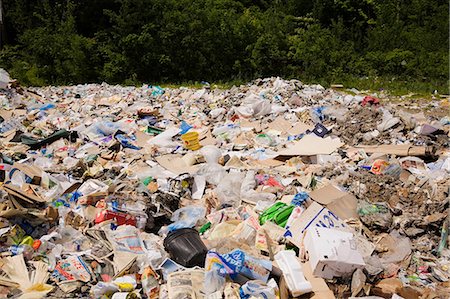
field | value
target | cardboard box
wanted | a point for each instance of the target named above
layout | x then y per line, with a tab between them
332	253
314	216
339	202
318	216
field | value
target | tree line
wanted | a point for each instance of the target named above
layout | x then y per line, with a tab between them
133	41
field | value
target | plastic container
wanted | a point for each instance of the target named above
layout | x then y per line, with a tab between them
190	141
186	248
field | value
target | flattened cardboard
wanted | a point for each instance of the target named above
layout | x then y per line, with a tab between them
206	138
280	124
29	196
264	163
311	145
20	112
402	150
33	172
8	136
319	286
142	138
256	125
299	128
6	114
175	163
235	162
339	202
241	141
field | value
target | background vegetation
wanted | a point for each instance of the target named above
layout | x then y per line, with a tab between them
131	41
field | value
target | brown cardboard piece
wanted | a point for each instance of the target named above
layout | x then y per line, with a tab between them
8	136
256	125
27	193
310	145
20	112
6	114
280	124
339	202
241	141
206	138
176	164
142	138
235	162
299	128
402	150
319	286
255	164
33	172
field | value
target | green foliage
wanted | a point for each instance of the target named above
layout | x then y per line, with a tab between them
135	41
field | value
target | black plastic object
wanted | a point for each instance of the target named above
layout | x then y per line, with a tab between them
38	143
186	248
320	130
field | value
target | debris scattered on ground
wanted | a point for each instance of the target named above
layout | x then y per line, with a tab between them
273	189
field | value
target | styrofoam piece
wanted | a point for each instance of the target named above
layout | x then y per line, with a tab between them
293	273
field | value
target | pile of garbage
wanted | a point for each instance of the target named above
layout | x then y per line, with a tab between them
274	189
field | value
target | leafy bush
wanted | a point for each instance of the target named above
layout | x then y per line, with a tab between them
133	41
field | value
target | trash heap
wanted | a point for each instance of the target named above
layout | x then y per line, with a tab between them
274	189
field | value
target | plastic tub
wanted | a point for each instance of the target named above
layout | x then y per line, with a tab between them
185	247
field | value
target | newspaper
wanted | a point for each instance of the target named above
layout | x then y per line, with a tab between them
187	284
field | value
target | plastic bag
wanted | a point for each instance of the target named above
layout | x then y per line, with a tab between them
388	121
337	113
213	172
165	138
261	108
248	193
257	289
214	282
186	217
217	113
375	214
211	154
228	190
104	288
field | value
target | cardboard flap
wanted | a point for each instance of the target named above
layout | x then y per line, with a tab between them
248	124
399	150
280	124
312	145
28	195
35	173
339	202
319	286
327	194
176	164
299	128
142	138
6	114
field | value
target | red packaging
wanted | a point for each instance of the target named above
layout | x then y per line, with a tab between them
120	218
